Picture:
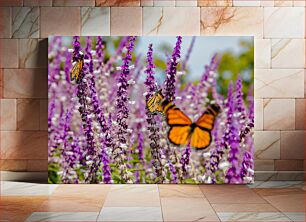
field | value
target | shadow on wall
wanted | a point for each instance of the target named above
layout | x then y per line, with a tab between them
26	149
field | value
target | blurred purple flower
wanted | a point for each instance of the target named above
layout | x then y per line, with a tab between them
171	70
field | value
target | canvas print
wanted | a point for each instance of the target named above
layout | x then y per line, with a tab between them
146	110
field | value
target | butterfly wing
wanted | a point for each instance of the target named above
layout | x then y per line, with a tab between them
180	125
207	119
154	102
76	69
179	135
201	136
175	117
200	139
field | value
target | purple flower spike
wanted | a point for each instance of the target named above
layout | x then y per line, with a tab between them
233	139
152	124
185	158
171	70
184	64
247	171
123	111
99	52
150	80
88	54
77	48
239	99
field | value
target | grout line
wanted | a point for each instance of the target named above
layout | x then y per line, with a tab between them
161	207
209	202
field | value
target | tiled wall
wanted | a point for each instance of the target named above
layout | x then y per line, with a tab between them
278	27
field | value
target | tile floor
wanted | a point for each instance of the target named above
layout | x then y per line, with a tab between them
262	201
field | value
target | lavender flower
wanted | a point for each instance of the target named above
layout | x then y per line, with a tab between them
184	64
99	52
122	109
152	125
232	138
185	158
171	70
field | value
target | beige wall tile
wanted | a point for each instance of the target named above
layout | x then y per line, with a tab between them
267	145
292	144
95	21
232	21
279	83
28	114
4	3
146	2
304	83
283	3
246	3
258	109
215	3
266	2
9	53
284	22
1	83
160	21
289	165
37	2
8	114
24	145
264	165
300	114
37	165
33	53
125	3
262	57
279	114
25	22
74	3
164	3
52	21
5	22
13	165
43	114
299	3
283	50
186	3
25	83
119	16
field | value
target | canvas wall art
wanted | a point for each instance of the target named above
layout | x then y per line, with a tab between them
146	110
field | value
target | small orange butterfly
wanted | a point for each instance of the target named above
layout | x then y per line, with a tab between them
182	130
77	68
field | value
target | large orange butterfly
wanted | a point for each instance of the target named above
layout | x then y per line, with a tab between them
182	130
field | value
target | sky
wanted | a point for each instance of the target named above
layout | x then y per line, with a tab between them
203	50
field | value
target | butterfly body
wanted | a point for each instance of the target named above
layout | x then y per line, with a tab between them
183	130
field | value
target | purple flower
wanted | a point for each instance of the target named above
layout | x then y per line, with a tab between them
232	139
173	172
184	64
247	171
151	120
185	158
99	52
122	109
171	70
